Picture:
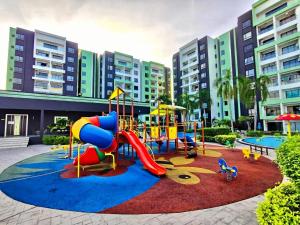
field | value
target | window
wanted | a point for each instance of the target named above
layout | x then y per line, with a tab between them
276	9
83	90
18	69
136	88
203	66
71	50
249	60
109	59
222	43
147	89
51	46
20	36
109	84
274	94
69	87
17	81
270	68
146	82
83	57
203	85
70	69
247	36
226	113
136	80
291	63
136	72
20	48
290	48
136	95
70	78
225	102
246	24
268	55
203	75
273	111
83	73
202	47
70	59
222	52
135	65
109	76
223	62
18	58
57	118
202	56
265	29
110	67
83	65
248	48
250	73
83	81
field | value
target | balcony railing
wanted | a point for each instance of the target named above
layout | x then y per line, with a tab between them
289	49
289	19
41	75
264	30
268	56
290	64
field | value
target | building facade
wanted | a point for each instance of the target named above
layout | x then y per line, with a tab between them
278	56
40	62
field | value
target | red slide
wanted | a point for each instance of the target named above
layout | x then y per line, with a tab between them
143	154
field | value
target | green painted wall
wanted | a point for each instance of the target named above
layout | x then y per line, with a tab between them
88	73
11	58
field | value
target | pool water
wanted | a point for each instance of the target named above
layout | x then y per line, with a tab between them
269	141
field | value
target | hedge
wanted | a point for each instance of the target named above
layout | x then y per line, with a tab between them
252	133
281	206
206	138
288	158
223	139
55	140
213	131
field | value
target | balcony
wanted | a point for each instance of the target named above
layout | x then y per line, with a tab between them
292	93
268	56
290	64
287	23
291	48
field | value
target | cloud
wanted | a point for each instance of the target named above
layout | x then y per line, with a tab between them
150	30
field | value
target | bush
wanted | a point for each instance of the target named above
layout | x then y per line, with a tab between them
288	158
55	140
252	133
223	139
236	134
281	206
206	138
213	131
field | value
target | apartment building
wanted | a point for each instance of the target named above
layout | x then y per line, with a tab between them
278	56
88	79
195	67
40	62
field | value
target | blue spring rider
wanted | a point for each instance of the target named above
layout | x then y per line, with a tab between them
230	172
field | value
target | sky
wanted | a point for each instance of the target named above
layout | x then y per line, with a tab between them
151	30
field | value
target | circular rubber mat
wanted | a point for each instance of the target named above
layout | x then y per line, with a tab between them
47	180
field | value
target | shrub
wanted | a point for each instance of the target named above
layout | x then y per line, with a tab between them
252	133
55	140
281	206
223	139
236	134
206	138
288	158
213	131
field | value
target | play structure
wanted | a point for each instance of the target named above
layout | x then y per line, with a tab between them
250	154
163	126
230	172
105	134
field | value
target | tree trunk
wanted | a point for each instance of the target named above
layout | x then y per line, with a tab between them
255	113
248	125
204	117
230	114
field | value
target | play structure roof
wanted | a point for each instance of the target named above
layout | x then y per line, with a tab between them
163	108
118	91
288	117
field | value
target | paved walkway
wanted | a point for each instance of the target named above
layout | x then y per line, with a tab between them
13	212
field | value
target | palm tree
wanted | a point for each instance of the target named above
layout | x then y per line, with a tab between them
202	98
165	98
226	91
248	92
187	102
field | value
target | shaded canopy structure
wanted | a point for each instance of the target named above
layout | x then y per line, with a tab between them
164	109
288	117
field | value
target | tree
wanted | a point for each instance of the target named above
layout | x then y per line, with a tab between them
226	91
247	120
60	126
248	90
202	98
165	98
187	102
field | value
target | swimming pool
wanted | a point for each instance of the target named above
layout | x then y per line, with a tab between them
268	141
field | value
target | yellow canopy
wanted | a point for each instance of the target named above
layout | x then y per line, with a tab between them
163	109
118	91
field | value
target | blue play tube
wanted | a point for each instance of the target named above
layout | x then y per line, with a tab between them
96	136
109	122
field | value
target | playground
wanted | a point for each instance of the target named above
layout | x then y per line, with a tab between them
114	165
